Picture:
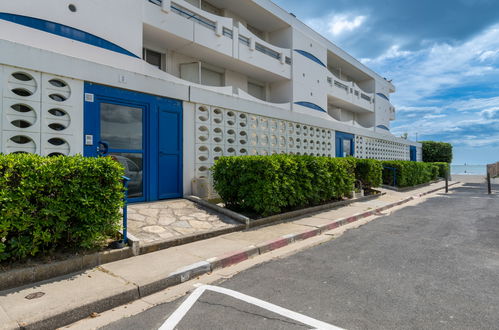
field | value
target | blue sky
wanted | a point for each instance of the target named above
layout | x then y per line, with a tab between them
443	57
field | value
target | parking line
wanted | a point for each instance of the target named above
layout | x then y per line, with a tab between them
177	316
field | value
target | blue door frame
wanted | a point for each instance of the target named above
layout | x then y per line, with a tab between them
413	153
161	137
340	137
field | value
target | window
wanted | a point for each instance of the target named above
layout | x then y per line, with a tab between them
257	90
152	57
202	73
211	77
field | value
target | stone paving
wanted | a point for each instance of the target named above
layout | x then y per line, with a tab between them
173	219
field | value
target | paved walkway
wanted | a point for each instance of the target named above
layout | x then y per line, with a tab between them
69	298
432	265
162	220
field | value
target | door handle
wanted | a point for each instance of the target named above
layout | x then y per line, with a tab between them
103	148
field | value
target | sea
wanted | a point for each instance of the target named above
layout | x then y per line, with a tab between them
468	169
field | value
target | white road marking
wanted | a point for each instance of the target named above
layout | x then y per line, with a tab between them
179	314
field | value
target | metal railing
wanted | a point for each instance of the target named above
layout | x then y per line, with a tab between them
191	15
244	40
125	207
267	51
365	97
340	85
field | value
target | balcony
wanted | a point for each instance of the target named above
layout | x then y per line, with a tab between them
348	95
383	105
190	24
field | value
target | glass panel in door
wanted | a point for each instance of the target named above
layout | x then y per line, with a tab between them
121	131
347	148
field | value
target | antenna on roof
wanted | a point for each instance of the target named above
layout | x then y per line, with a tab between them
292	14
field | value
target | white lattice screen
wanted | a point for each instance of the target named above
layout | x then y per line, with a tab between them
40	113
366	147
223	132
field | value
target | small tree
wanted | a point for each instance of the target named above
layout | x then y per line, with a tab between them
437	151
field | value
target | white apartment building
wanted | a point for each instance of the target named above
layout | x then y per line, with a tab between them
167	87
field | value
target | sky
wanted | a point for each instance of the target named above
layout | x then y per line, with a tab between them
443	57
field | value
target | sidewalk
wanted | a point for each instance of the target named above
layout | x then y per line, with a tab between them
67	299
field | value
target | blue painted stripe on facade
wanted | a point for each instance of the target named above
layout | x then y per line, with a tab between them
383	127
65	31
310	57
383	96
311	106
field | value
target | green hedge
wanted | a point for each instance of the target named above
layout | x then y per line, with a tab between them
48	203
437	152
369	172
269	184
409	173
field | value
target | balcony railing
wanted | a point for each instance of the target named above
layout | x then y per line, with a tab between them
353	92
341	85
199	19
365	97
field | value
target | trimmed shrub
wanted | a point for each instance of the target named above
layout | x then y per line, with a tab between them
437	152
443	168
369	172
409	173
269	184
48	203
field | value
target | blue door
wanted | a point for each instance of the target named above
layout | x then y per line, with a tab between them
413	153
140	131
344	144
170	153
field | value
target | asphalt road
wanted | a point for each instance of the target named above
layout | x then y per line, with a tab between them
430	266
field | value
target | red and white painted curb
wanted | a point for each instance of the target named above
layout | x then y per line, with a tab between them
236	257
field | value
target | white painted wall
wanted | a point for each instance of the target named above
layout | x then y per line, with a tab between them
47	55
189	151
117	21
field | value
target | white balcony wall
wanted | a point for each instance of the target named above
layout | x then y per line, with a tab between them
204	35
250	53
349	91
214	33
173	23
244	95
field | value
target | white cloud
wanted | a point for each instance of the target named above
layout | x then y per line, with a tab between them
428	72
345	23
488	55
434	116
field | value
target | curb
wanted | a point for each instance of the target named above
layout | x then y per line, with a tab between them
231	214
309	210
41	272
200	268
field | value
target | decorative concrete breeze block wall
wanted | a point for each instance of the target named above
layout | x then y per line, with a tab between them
223	132
40	113
366	147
